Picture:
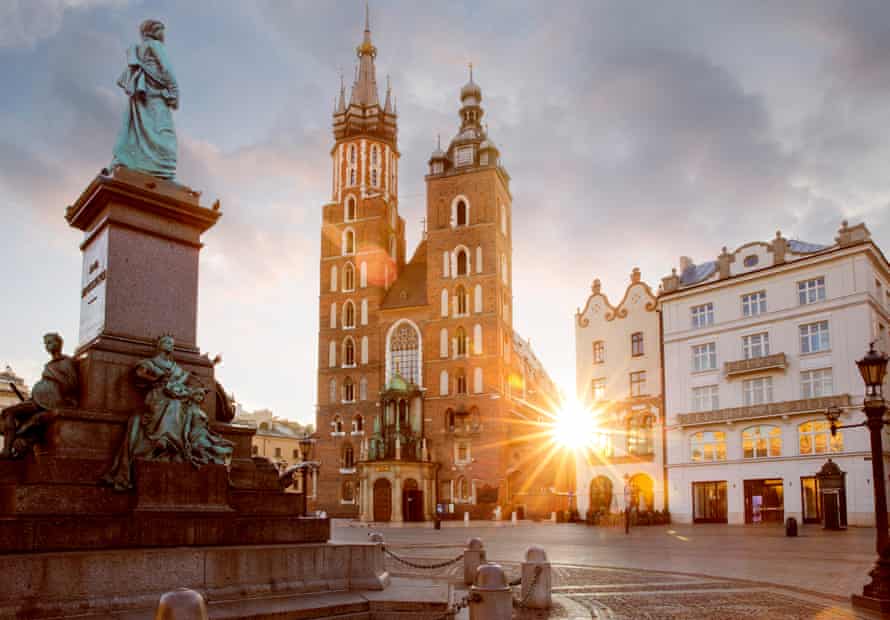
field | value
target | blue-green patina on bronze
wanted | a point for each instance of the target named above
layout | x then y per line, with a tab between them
147	139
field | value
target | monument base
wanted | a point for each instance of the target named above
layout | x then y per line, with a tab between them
124	584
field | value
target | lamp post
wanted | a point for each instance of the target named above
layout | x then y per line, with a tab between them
873	368
305	448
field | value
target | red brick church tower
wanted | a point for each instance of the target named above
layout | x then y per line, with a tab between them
362	252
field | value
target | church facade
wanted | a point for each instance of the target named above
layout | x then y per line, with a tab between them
426	396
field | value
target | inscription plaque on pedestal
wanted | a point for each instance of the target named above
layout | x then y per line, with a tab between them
92	293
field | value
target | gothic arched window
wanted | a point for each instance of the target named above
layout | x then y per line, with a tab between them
404	352
349	314
462	262
461	381
348	277
349	352
461	213
348	390
348	458
461	341
462	300
348	241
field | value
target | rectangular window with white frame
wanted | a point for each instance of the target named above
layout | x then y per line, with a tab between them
757	391
702	316
811	291
754	304
638	383
814	337
755	345
816	383
704	357
706	398
598	389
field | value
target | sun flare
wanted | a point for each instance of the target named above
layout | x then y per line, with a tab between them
574	427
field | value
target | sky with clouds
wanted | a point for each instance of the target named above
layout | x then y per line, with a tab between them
634	132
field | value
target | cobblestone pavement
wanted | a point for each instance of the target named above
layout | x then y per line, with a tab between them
830	563
631	594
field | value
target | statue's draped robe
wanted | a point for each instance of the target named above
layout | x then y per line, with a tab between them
147	139
172	427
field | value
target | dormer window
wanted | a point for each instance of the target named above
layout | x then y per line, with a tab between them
438	168
463	156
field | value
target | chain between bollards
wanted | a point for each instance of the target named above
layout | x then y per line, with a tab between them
423	566
531	588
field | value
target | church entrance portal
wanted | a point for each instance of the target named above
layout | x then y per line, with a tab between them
382	500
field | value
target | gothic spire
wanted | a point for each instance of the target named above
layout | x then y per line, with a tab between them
364	92
387	107
341	103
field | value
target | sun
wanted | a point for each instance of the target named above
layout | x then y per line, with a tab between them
574	427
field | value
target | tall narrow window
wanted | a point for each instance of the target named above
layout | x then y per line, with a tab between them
332	391
350	209
444	304
477	340
348	241
599	352
462	262
443	342
636	344
349	352
364	318
477	380
349	315
477	299
348	277
443	384
461	213
348	457
598	389
462	301
638	383
461	382
332	354
364	349
362	394
461	342
363	275
333	278
348	390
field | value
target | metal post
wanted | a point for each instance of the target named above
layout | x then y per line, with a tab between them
536	584
181	604
305	482
876	594
474	557
490	595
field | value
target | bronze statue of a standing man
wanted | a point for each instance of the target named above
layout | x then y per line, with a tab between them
24	422
147	139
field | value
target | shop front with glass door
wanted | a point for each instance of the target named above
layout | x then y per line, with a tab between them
709	502
764	501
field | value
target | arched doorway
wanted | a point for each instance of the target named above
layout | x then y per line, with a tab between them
644	492
412	501
600	495
382	500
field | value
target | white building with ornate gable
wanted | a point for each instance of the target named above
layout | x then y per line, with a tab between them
757	344
618	376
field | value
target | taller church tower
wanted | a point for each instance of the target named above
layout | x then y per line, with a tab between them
362	253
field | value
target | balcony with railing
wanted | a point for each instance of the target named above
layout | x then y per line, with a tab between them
776	361
764	410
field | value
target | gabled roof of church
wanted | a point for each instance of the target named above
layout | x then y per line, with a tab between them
410	289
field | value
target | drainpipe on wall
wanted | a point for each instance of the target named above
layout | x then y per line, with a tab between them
663	409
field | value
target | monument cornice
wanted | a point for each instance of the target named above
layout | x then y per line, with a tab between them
164	198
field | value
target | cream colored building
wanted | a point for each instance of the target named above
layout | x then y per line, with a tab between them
757	344
618	375
279	441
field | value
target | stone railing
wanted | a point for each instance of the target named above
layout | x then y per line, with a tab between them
755	364
785	407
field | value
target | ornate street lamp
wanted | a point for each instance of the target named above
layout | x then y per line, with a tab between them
305	449
873	368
